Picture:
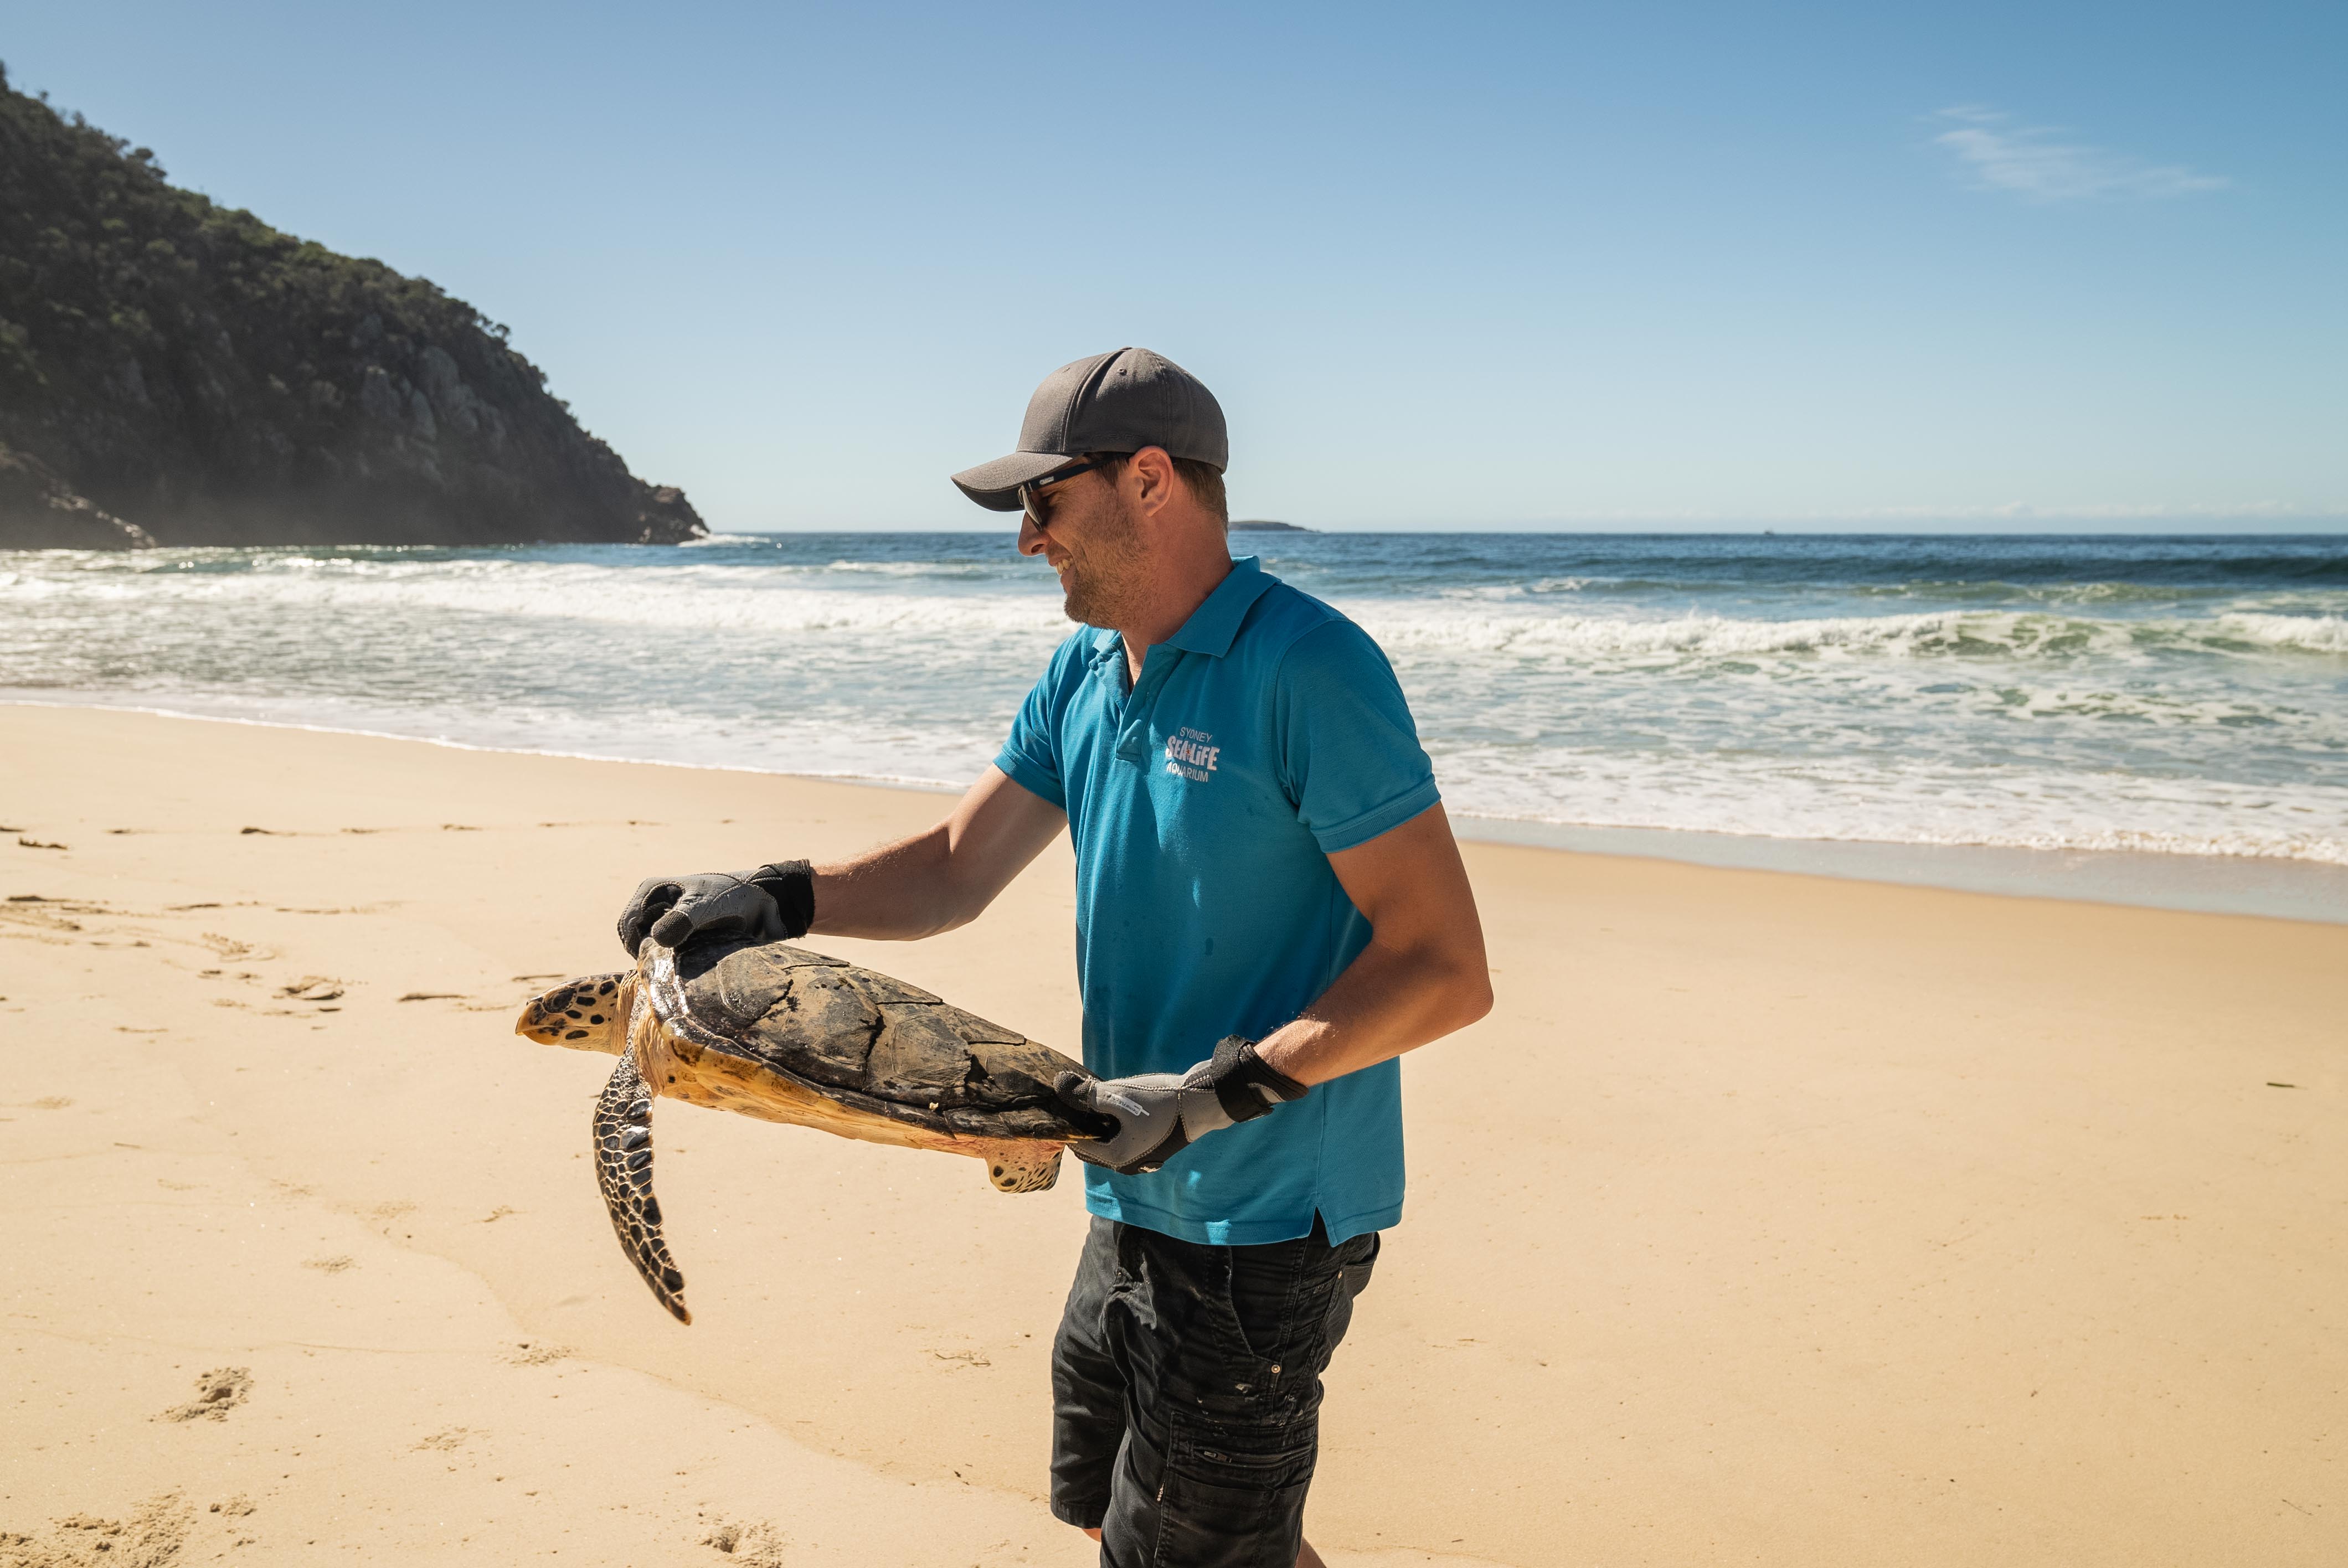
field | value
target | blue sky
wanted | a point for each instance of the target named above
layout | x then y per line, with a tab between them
1983	267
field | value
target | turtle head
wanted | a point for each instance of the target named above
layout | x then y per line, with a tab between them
589	1013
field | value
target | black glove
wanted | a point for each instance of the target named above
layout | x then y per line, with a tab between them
1159	1114
770	904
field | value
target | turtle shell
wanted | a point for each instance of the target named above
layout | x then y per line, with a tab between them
861	1037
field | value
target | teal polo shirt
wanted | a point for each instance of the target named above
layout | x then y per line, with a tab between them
1204	800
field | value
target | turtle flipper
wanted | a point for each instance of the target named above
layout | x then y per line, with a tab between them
1026	1168
623	1166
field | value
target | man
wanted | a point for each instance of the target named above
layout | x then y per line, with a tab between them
1270	910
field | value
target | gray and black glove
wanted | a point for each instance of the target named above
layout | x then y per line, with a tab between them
1159	1114
770	904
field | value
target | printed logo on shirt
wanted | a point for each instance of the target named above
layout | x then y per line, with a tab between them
1192	754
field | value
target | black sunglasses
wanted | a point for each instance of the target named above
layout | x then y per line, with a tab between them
1031	493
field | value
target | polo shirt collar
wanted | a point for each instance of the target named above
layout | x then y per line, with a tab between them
1213	625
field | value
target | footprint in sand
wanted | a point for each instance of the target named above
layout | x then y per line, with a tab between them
311	988
22	909
537	1353
336	1265
218	1392
447	1441
759	1544
230	948
151	1537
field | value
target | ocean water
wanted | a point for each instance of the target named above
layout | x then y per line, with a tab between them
2183	696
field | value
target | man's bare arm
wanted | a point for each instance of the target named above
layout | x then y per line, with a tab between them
1423	974
942	879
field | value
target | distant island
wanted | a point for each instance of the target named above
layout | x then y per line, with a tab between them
1264	526
177	373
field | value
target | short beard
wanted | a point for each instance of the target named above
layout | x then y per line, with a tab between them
1108	580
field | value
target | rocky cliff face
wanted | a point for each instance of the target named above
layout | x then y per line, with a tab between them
39	511
177	371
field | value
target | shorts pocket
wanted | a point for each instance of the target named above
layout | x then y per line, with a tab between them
1355	1269
1230	1376
1234	1494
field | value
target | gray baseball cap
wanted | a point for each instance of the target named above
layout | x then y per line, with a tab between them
1119	401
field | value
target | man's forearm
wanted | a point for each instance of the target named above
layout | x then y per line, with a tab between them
899	892
945	878
1389	1000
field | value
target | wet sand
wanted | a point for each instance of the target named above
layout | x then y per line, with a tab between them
1769	1219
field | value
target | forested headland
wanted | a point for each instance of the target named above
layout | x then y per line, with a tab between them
176	372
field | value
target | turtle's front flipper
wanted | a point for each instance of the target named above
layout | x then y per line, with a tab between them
623	1165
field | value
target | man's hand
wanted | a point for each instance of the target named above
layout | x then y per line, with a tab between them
1159	1114
771	904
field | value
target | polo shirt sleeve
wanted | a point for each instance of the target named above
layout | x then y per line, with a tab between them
1031	753
1350	759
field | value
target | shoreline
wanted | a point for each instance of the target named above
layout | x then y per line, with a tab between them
2267	886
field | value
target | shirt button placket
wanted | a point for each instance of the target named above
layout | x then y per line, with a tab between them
1133	737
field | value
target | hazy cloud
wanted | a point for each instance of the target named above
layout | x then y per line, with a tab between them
2036	164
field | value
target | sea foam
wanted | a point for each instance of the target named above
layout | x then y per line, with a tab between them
2176	697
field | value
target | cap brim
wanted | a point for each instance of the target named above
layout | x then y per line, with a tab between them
995	486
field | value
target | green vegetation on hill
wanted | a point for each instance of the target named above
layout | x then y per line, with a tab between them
172	370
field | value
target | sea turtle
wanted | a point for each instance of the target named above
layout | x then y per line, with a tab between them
783	1034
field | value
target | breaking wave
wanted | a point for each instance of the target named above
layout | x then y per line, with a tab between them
2171	697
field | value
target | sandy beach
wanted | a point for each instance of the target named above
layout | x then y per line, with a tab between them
1769	1219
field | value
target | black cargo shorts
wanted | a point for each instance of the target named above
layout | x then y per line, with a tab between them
1186	1392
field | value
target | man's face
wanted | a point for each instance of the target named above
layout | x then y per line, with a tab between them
1092	538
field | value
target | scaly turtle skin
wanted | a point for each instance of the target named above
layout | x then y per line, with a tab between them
786	1035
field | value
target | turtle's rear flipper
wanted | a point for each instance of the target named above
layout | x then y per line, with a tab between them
623	1165
1024	1168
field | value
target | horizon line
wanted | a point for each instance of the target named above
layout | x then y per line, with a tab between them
1855	528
